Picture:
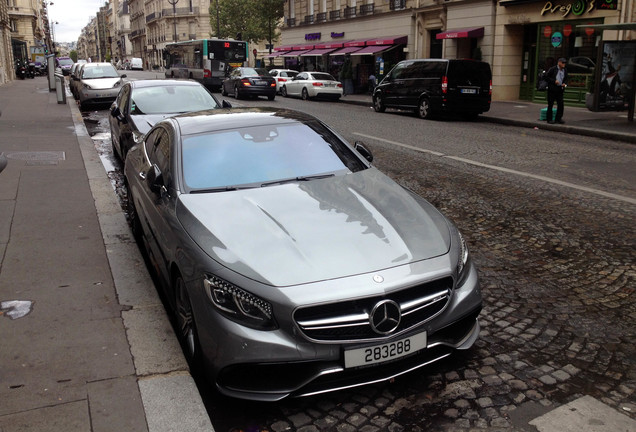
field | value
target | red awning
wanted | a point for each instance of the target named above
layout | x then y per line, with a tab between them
295	53
474	32
276	54
356	43
332	45
284	48
317	52
390	40
303	47
345	50
369	50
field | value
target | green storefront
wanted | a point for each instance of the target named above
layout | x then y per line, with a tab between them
545	43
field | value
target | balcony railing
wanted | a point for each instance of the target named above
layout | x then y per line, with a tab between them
153	16
397	4
334	15
321	17
309	19
291	22
367	9
180	11
350	12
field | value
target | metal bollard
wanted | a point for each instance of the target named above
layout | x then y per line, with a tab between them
60	91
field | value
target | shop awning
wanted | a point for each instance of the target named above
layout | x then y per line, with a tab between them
332	45
317	52
276	54
345	50
370	50
295	53
473	32
389	40
284	48
356	43
303	47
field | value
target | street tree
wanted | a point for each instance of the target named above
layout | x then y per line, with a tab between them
252	20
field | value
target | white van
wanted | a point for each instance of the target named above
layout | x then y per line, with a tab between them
136	64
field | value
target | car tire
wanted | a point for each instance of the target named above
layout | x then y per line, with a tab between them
283	91
236	93
378	105
135	222
271	97
304	94
424	108
186	327
223	92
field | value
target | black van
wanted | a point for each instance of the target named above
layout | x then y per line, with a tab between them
436	85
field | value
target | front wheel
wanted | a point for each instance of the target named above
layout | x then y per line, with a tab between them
378	105
186	327
424	108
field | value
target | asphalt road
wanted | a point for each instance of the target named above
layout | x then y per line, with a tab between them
549	219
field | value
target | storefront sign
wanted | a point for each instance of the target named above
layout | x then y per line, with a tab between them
312	36
556	39
547	31
567	30
607	4
578	7
335	35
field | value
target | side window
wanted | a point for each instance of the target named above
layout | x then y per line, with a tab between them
123	100
160	155
150	143
398	71
303	76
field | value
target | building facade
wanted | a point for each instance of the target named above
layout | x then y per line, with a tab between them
516	37
7	72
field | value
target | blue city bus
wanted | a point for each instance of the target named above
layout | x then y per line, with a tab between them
204	60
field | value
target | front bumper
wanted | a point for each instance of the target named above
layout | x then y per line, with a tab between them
101	96
272	365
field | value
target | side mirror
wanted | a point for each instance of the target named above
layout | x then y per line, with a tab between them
364	152
124	76
155	179
226	104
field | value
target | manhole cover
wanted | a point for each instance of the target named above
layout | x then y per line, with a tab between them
37	156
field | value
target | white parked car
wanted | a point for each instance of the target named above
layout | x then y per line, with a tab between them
98	83
313	85
282	76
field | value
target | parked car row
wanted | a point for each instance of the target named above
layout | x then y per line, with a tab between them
291	265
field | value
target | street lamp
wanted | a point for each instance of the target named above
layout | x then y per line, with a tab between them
174	17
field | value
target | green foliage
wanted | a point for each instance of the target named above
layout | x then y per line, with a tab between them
255	20
73	56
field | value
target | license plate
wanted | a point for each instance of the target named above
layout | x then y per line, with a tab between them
260	82
385	352
469	91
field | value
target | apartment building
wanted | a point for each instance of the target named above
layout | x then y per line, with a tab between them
6	53
516	37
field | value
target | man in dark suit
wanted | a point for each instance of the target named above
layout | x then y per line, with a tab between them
557	77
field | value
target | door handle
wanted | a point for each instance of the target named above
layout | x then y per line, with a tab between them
142	175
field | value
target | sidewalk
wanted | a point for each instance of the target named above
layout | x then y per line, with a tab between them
86	343
611	125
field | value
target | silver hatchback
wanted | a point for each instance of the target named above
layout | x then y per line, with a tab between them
97	83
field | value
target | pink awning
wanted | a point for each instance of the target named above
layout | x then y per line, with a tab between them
303	47
390	40
356	43
284	48
369	50
276	54
317	52
473	32
345	50
295	53
332	45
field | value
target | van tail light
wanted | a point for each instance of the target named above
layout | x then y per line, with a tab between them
317	84
246	82
490	91
207	73
444	84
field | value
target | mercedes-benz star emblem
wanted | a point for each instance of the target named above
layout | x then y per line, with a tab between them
385	317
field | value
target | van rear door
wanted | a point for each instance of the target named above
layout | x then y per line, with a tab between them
469	84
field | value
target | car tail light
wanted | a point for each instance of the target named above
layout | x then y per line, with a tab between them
273	84
340	85
317	84
444	84
207	73
490	91
282	80
246	82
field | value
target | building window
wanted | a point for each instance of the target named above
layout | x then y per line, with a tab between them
367	9
397	4
334	15
350	12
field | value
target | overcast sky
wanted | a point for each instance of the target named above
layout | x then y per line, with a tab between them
72	16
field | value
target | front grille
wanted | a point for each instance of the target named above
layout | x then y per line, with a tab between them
349	320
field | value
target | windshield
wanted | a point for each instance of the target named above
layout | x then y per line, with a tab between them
255	72
65	62
106	71
264	154
322	77
171	99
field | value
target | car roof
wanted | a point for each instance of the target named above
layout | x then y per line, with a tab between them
101	64
163	83
223	119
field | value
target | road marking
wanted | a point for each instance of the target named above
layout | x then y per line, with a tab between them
505	170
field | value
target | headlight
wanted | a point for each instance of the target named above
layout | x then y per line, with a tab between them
462	262
239	305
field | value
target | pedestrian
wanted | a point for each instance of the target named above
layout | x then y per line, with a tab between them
372	83
557	77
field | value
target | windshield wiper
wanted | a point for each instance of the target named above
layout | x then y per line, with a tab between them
222	189
295	179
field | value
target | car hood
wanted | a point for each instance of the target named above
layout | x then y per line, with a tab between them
101	83
315	230
143	123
